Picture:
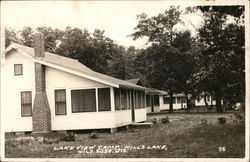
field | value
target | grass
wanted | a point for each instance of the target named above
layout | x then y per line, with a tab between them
184	136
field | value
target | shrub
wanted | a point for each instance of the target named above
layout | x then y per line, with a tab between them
93	135
50	140
222	120
203	121
165	120
238	118
154	120
69	137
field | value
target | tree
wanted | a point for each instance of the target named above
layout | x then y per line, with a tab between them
93	50
11	36
222	59
166	58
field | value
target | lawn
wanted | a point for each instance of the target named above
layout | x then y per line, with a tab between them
183	137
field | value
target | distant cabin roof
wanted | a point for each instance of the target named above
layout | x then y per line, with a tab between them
157	91
72	66
153	91
136	81
178	95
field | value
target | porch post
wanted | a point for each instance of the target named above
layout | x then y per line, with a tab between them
112	99
96	98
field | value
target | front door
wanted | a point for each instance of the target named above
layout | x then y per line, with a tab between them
133	106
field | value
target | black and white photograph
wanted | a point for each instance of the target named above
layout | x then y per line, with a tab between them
125	80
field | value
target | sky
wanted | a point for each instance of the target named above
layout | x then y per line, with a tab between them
117	18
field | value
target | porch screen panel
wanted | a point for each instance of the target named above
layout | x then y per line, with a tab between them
117	98
148	100
104	99
128	99
83	100
136	100
156	100
60	102
139	99
143	99
174	100
123	104
178	100
166	100
208	98
26	103
184	100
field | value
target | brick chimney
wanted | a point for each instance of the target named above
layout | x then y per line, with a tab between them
41	115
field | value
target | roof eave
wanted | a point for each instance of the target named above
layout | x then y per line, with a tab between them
133	87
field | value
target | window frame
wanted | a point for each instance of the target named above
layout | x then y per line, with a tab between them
174	100
166	100
178	100
21	65
96	107
60	102
22	114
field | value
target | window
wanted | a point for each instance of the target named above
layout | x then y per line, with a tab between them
156	100
83	100
178	100
148	100
18	69
166	100
26	103
104	99
60	102
208	98
199	98
184	100
174	100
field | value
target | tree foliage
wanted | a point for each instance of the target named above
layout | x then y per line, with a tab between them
220	64
168	62
213	62
94	50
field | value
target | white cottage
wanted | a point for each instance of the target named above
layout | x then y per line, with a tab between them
179	101
42	92
202	99
154	100
154	97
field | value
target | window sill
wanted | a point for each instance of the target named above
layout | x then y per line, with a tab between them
26	115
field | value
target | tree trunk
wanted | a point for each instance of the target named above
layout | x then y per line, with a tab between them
205	99
171	101
188	103
211	105
218	101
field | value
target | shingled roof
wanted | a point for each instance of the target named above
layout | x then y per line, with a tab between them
73	66
153	91
136	81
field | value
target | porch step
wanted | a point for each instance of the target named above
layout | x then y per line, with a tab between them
142	125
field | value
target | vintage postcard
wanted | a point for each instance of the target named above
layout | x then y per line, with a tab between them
125	80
